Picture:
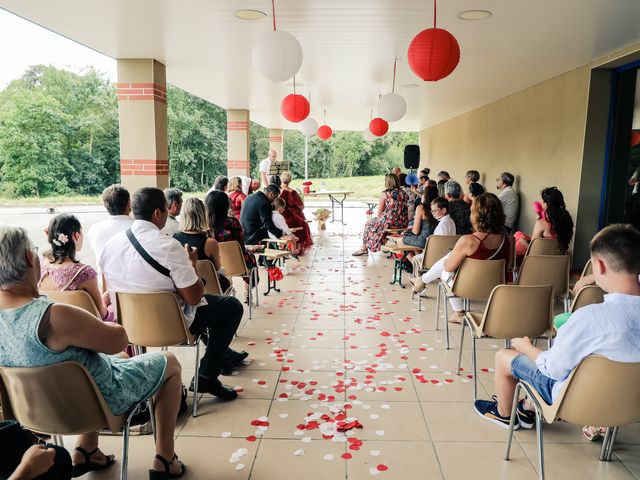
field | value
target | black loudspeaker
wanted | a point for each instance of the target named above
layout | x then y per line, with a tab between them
411	157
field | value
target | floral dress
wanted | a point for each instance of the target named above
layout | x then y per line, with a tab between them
228	230
294	217
394	215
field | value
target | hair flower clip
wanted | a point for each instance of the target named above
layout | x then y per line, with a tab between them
61	240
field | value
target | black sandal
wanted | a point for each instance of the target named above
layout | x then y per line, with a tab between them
158	475
88	465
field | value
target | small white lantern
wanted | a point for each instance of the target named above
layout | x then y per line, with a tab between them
308	127
277	56
392	107
368	136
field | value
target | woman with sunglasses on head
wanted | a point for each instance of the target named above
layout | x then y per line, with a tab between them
554	222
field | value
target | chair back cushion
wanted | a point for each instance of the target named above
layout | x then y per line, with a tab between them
586	296
544	246
232	259
546	270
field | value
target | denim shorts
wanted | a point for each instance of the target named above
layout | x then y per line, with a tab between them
523	368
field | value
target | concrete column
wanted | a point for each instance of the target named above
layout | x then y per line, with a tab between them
276	142
238	143
142	109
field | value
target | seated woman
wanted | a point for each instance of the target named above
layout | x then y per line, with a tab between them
60	269
554	222
193	231
294	215
488	242
224	228
392	213
475	189
472	177
424	222
236	195
35	332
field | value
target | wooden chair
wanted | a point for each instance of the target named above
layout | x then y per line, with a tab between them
157	320
62	399
599	391
232	259
206	270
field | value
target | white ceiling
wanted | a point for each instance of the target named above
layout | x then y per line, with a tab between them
349	47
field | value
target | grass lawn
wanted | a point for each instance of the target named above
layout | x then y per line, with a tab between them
363	188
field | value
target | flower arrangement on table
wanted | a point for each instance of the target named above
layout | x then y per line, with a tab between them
321	215
306	186
275	273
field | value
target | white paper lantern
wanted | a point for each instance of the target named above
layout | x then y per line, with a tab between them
368	136
308	127
277	56
392	107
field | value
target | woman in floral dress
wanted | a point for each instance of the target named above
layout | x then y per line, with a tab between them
392	213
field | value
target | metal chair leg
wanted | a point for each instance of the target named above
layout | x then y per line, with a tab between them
540	443
474	366
607	444
612	442
250	295
255	285
437	306
125	444
195	381
464	322
512	422
445	301
152	416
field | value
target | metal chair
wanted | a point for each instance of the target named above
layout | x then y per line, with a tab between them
79	298
512	311
232	259
157	320
599	391
547	270
206	270
474	280
62	399
437	246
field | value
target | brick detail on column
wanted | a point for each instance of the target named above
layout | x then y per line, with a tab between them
144	167
141	91
238	126
237	163
277	139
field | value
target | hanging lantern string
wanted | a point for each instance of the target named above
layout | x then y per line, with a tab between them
273	9
325	116
294	84
434	16
393	87
371	116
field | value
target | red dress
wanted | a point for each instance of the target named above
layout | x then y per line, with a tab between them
236	199
294	217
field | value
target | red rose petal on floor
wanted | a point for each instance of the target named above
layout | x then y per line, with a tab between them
382	468
346	456
251	438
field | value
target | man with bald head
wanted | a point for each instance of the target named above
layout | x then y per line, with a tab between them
265	166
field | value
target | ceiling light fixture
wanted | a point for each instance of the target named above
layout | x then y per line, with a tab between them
249	14
475	15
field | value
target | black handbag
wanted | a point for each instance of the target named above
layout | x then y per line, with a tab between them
14	440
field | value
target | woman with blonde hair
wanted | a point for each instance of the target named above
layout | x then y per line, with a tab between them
392	213
193	231
236	195
294	215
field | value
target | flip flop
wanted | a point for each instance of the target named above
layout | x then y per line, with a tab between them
88	465
359	253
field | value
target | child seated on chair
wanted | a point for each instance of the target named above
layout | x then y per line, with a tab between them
610	329
279	205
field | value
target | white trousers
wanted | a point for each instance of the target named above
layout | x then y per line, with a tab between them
437	271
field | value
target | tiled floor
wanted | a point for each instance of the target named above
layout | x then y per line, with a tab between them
340	341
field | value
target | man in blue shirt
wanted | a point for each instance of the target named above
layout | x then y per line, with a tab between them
610	329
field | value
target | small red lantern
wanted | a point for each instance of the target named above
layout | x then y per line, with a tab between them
379	126
635	138
325	132
295	108
433	54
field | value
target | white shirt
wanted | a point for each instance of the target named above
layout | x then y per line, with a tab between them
100	233
265	166
281	223
610	329
446	226
171	227
127	271
510	203
246	184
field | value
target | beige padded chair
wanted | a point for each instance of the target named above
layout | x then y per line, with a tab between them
232	260
206	270
79	298
588	269
547	270
437	246
512	311
587	296
599	391
544	246
156	320
62	399
474	280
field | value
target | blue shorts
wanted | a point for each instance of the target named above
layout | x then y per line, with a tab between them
522	368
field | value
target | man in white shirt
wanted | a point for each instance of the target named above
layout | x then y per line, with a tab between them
127	270
117	201
174	206
610	329
265	166
509	199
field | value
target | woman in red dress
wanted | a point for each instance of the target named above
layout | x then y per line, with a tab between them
236	195
294	215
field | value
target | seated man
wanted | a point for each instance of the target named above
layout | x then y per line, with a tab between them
610	329
256	218
174	206
171	268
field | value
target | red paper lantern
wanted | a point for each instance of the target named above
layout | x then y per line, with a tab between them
433	54
325	132
379	126
295	108
635	138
